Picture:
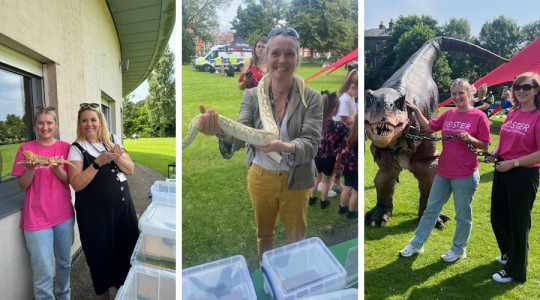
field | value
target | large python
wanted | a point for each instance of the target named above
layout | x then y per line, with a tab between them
259	137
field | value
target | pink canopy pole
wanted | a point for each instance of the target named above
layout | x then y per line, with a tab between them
345	59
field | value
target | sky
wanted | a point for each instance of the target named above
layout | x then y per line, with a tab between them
477	12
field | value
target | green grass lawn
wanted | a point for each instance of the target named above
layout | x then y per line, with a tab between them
155	153
426	276
217	218
7	153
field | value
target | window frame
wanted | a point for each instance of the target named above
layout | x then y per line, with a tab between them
12	196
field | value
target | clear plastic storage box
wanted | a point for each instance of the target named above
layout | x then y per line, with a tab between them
301	269
144	282
348	294
157	242
164	191
224	279
155	250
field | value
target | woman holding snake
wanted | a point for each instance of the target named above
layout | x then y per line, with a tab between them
277	186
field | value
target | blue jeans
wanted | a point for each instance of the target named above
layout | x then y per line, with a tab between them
44	246
463	190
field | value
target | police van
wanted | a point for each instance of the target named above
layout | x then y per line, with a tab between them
235	54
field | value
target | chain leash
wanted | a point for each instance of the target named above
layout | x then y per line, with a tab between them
483	153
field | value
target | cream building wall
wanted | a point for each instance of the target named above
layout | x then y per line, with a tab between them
75	42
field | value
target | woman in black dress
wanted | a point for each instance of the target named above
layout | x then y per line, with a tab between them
107	221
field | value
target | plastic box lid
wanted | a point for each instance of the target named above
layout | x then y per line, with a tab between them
164	191
348	294
144	282
224	279
155	251
351	266
159	218
301	269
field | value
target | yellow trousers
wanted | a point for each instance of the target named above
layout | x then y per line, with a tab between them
270	195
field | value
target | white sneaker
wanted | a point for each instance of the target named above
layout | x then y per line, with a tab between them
331	193
409	250
450	256
503	259
501	276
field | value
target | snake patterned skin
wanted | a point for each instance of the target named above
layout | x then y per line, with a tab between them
248	134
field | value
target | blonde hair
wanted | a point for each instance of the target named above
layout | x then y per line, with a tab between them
352	78
464	83
104	135
536	83
49	110
483	87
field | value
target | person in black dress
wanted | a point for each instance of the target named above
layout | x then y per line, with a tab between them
106	217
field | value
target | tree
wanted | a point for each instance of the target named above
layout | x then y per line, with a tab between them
457	28
401	26
188	46
16	128
257	20
530	32
161	99
201	16
459	63
502	37
323	25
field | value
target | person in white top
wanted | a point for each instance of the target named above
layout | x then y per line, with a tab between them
346	94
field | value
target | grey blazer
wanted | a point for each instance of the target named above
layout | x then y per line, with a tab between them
304	127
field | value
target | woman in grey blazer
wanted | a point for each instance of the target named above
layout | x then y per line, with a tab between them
278	186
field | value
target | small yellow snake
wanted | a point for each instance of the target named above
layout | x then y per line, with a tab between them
245	133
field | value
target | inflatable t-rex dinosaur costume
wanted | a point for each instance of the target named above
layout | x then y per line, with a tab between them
387	119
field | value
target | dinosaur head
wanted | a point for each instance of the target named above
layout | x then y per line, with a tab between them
385	116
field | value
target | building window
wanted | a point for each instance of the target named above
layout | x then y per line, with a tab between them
378	61
20	93
378	46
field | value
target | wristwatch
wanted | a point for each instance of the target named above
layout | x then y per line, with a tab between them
95	165
516	163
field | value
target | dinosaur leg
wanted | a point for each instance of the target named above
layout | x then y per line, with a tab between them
385	181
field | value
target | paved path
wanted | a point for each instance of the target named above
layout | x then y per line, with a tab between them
139	185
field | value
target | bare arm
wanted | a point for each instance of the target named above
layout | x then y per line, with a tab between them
81	178
123	161
25	180
60	173
424	122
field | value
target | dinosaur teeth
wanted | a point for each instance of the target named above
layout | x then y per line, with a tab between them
382	129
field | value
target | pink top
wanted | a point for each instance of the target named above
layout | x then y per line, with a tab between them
457	160
47	201
520	135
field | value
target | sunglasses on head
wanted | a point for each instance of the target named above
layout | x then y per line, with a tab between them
524	87
280	30
89	105
46	109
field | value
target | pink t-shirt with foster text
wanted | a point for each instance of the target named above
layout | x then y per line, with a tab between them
47	200
520	135
457	160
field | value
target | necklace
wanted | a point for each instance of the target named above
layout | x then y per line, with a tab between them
279	109
99	151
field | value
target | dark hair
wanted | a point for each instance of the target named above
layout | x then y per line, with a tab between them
330	101
255	58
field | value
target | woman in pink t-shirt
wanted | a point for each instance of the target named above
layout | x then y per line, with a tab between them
515	180
457	171
47	213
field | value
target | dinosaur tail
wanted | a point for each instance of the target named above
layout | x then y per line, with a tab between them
452	44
